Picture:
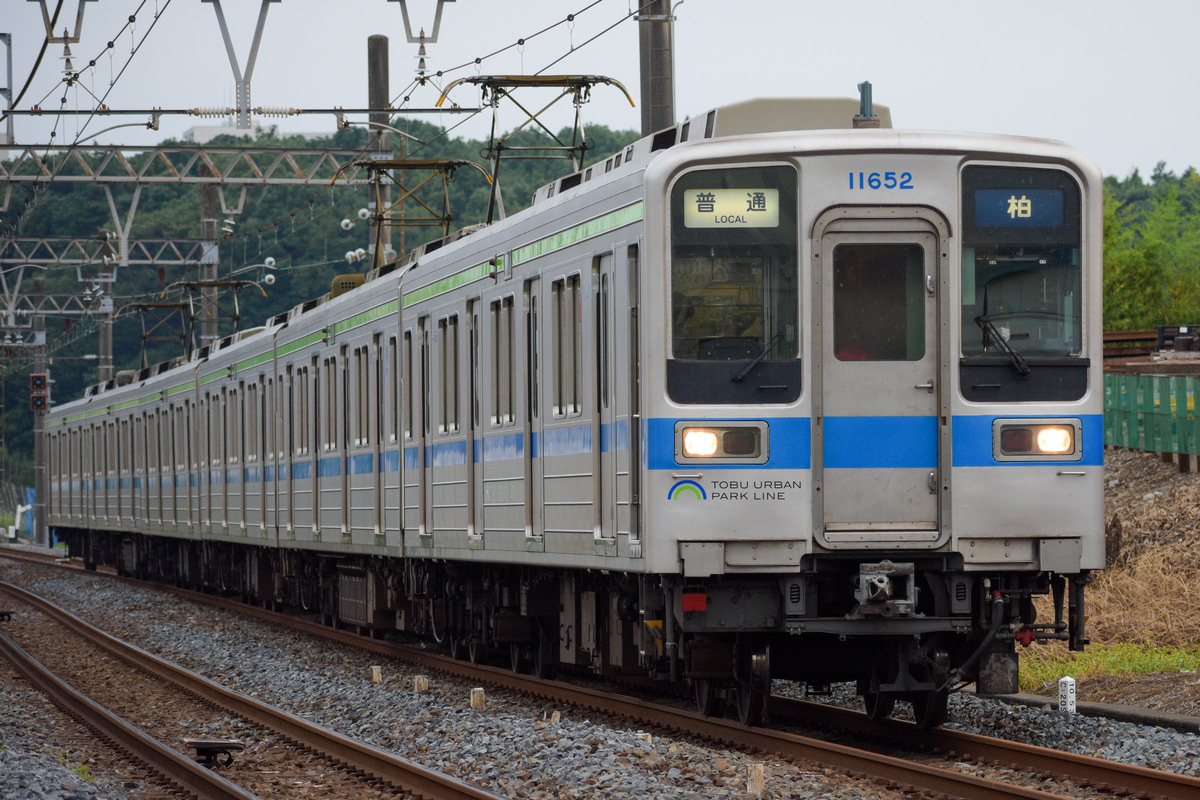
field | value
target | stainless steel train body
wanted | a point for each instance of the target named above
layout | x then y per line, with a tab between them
760	396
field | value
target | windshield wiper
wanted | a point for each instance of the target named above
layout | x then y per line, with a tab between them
992	333
774	341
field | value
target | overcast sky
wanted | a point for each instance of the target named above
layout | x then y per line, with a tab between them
1115	78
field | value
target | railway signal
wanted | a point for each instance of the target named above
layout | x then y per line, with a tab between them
39	385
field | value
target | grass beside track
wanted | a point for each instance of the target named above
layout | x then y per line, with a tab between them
1043	665
1141	619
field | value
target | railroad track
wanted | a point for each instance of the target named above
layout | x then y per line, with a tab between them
171	767
372	765
1101	775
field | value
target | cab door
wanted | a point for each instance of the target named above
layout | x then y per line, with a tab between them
881	442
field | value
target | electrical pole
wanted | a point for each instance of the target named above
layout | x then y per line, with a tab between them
658	66
381	194
40	486
209	259
7	91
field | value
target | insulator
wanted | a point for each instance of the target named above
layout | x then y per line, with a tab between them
210	111
275	111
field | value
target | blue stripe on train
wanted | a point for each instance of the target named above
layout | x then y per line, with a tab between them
881	443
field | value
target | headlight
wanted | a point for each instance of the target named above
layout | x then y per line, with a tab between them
1036	440
744	442
700	443
1055	441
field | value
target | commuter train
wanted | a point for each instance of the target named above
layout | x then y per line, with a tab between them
765	395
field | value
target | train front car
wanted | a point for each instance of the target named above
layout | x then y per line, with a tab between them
875	434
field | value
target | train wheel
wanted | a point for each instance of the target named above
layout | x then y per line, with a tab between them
542	665
517	659
710	700
754	686
458	648
751	704
475	651
931	709
878	705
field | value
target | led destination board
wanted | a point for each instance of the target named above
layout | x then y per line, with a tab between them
731	208
1018	208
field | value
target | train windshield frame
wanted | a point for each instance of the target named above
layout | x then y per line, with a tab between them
1022	284
734	285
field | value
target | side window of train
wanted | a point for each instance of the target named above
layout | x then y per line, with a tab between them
251	416
1022	285
533	343
236	426
473	317
362	396
567	346
393	381
344	406
734	299
408	383
125	448
503	400
303	411
379	396
217	430
329	383
449	419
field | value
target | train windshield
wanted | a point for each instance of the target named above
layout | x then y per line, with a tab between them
733	266
1021	264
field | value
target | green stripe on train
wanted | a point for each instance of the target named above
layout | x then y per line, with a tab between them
587	230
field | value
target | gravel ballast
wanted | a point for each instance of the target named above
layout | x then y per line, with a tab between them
513	747
40	758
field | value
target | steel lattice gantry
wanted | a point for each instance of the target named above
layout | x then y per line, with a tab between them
137	167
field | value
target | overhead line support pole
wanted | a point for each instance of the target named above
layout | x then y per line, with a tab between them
377	97
243	82
40	487
658	66
7	91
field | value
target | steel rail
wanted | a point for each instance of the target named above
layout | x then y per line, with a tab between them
172	766
1096	772
387	767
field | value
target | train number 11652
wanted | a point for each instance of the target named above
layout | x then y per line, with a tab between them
881	180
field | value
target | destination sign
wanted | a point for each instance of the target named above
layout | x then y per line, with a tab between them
1019	208
731	208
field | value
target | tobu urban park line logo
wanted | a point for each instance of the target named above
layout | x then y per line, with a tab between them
687	489
734	490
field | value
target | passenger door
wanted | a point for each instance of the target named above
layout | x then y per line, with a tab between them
879	450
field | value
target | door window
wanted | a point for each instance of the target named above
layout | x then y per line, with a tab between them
878	302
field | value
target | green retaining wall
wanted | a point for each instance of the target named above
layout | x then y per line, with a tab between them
1154	413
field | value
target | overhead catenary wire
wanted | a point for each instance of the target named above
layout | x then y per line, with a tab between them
35	190
519	43
36	64
570	18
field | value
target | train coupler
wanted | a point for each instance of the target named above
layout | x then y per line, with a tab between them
885	589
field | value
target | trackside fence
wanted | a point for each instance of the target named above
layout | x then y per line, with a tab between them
1152	412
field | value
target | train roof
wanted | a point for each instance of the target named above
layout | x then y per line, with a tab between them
760	115
756	116
775	114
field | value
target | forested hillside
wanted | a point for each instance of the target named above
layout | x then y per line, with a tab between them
1152	250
